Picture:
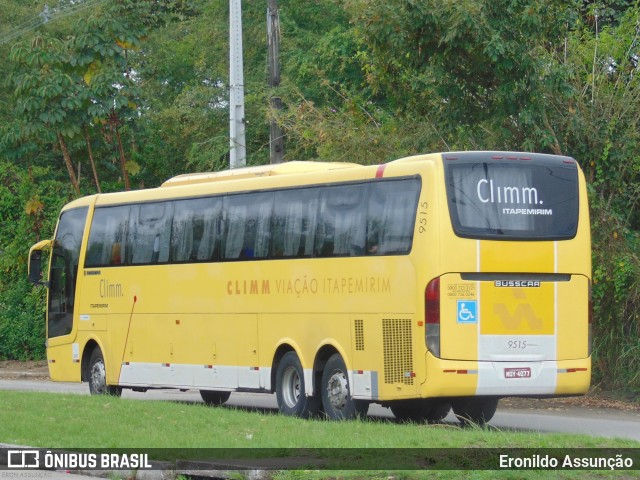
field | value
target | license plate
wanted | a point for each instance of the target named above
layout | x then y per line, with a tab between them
523	372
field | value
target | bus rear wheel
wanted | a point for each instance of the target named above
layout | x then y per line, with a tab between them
337	402
214	398
429	410
474	410
290	389
97	376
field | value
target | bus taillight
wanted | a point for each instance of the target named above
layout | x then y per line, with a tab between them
432	316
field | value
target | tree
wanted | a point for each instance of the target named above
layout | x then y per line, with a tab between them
470	63
66	88
102	47
45	89
600	124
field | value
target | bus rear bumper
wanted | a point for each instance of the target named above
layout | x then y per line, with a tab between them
452	378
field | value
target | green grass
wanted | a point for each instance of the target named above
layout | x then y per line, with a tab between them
72	421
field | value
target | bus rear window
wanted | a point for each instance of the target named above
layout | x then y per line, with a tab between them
528	199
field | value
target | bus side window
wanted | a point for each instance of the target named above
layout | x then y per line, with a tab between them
208	247
107	235
391	216
248	225
262	218
342	221
293	227
149	233
196	230
235	219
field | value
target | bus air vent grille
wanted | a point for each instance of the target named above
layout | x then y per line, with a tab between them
398	354
358	326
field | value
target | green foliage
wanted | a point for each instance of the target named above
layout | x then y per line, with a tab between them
185	98
348	128
465	61
616	297
22	321
29	205
599	125
73	83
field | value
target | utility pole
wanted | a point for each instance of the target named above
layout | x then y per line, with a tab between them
276	140
238	152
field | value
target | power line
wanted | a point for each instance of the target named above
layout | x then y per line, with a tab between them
49	14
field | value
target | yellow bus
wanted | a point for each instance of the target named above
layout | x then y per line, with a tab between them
431	282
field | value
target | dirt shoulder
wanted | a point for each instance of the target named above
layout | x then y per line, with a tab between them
16	370
594	400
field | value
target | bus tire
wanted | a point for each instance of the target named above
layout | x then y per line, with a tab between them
290	389
97	376
337	402
430	410
214	398
474	410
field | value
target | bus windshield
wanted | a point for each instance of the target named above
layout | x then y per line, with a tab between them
529	198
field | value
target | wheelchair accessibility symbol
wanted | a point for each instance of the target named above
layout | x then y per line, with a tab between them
467	311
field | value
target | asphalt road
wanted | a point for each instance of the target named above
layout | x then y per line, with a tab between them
595	422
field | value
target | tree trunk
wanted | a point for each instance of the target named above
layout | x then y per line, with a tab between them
68	163
123	160
276	140
555	146
91	160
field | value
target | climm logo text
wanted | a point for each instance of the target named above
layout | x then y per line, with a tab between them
490	193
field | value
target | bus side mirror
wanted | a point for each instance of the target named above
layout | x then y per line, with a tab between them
35	268
35	264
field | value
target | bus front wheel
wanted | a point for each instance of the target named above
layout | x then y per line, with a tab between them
337	401
98	376
290	389
474	410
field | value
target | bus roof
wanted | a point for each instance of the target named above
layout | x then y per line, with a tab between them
301	173
286	168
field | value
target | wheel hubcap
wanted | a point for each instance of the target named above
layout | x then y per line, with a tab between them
291	390
338	390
